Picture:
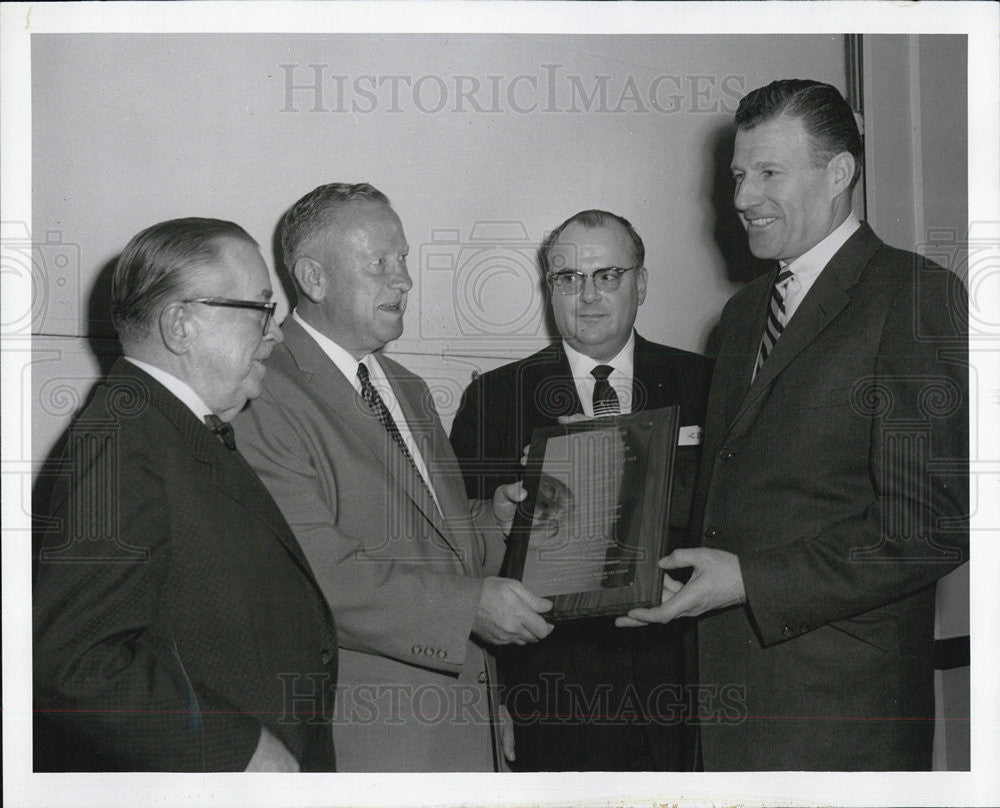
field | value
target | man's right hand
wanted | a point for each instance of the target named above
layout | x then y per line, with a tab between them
509	613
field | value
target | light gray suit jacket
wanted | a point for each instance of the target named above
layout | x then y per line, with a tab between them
402	577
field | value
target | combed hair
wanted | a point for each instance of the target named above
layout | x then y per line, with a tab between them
311	213
592	219
827	117
156	266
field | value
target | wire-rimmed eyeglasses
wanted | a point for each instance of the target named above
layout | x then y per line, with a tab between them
571	281
230	303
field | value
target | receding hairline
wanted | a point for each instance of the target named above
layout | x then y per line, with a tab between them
330	218
607	223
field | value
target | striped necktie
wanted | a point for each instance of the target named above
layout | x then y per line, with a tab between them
605	398
377	406
775	317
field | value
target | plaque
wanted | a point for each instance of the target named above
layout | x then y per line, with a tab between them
596	519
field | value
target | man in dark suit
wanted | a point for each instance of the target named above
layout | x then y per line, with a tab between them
351	447
177	624
590	697
834	485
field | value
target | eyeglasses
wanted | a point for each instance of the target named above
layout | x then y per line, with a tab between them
229	303
570	282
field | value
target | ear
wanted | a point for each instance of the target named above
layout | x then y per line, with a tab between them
840	172
640	284
176	328
311	278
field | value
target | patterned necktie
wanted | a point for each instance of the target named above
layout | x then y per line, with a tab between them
377	406
605	398
223	430
775	317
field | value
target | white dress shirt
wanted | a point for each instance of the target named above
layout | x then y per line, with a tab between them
620	379
348	365
807	267
179	388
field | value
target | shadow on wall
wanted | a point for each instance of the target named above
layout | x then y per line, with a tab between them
284	273
104	346
729	233
100	332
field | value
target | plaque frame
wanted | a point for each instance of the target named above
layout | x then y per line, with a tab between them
629	577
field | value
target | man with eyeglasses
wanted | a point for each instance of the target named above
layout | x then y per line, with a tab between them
177	623
589	698
350	444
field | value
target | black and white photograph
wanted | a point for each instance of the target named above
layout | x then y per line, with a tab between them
290	289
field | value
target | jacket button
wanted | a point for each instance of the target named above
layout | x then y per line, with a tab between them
726	453
787	631
482	677
325	657
710	532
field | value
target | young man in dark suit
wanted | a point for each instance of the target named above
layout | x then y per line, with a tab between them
177	623
590	698
834	485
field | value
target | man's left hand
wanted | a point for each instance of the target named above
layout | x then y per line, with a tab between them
715	583
505	500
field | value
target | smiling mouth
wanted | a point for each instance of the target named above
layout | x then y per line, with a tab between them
762	221
392	308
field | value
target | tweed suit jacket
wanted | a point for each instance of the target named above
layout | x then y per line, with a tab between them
571	695
839	478
174	611
403	578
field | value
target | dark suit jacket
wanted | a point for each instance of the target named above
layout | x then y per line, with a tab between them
839	478
174	612
572	693
402	578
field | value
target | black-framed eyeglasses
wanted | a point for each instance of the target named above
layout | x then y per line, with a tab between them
230	303
571	281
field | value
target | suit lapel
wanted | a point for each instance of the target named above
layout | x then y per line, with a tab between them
822	304
548	382
423	426
230	473
651	387
345	405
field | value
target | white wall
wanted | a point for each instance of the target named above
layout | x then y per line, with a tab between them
133	129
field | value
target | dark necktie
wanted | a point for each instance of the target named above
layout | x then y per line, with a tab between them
775	318
377	406
605	398
223	430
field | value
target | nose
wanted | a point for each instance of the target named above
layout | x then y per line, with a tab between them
744	194
401	278
588	292
273	332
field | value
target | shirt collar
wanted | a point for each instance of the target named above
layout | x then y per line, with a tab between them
178	387
345	363
580	364
808	265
